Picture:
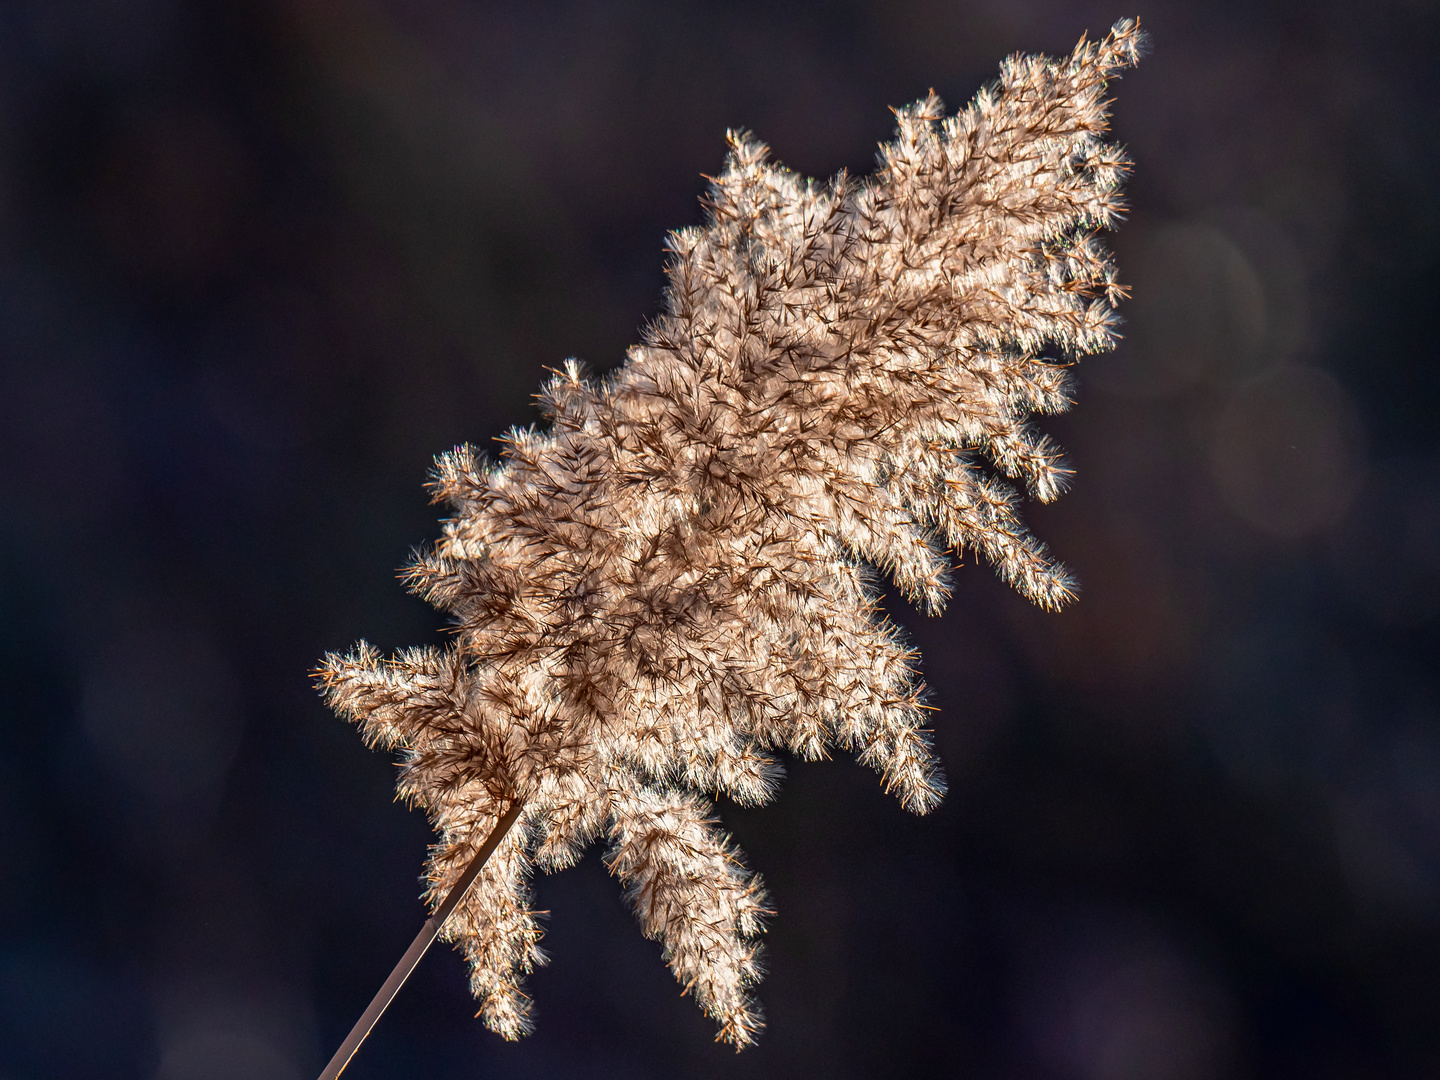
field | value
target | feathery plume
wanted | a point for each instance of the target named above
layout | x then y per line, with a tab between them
670	584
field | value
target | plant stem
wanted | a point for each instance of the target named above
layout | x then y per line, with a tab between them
418	947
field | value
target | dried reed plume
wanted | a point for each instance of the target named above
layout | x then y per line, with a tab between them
671	583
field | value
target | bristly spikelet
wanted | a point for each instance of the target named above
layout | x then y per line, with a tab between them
670	584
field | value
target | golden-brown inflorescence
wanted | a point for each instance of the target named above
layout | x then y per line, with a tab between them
670	584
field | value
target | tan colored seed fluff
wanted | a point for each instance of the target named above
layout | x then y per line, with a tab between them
671	582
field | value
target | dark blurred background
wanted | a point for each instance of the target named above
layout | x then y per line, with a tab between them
260	261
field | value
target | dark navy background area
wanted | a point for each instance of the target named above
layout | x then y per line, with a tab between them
259	262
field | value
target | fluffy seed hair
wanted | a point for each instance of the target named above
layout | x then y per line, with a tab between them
670	583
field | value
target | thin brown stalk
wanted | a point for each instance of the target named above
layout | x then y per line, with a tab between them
423	940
